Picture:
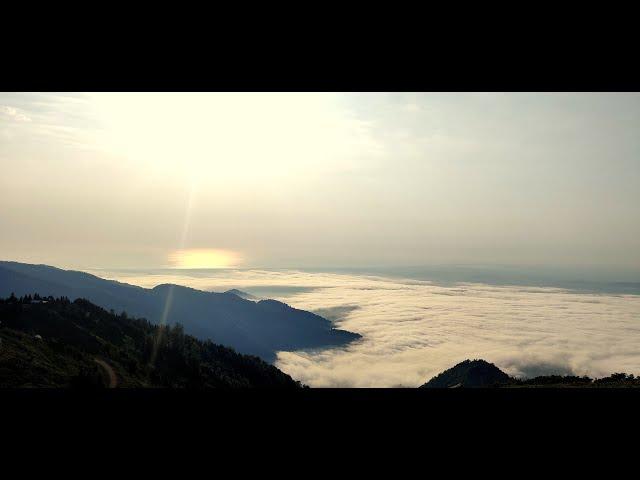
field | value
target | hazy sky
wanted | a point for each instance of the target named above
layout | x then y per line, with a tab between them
304	180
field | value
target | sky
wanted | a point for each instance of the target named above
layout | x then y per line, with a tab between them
302	180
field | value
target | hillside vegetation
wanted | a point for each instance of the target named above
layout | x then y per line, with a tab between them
49	342
480	373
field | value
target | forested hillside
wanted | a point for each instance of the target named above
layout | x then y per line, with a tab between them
54	342
480	373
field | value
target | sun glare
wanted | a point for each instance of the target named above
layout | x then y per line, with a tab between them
203	258
230	135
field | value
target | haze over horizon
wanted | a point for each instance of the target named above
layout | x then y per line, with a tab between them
280	180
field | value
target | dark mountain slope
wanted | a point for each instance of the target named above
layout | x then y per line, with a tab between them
479	373
476	373
258	328
62	343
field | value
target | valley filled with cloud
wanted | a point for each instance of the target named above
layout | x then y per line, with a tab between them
414	329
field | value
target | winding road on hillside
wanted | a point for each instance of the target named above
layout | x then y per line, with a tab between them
113	379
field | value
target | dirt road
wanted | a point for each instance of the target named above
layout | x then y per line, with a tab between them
113	379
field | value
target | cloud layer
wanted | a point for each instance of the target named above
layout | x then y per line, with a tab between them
412	330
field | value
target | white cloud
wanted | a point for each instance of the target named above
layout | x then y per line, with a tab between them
14	114
412	330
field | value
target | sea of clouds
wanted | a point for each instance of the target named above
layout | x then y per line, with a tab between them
413	329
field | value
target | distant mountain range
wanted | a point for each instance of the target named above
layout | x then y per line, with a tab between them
241	294
253	327
480	373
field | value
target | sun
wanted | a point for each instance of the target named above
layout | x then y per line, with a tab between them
203	258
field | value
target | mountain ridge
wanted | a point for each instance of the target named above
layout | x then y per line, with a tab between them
479	373
469	374
258	328
241	294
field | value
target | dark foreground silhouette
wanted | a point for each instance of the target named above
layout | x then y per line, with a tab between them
259	328
47	342
480	373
